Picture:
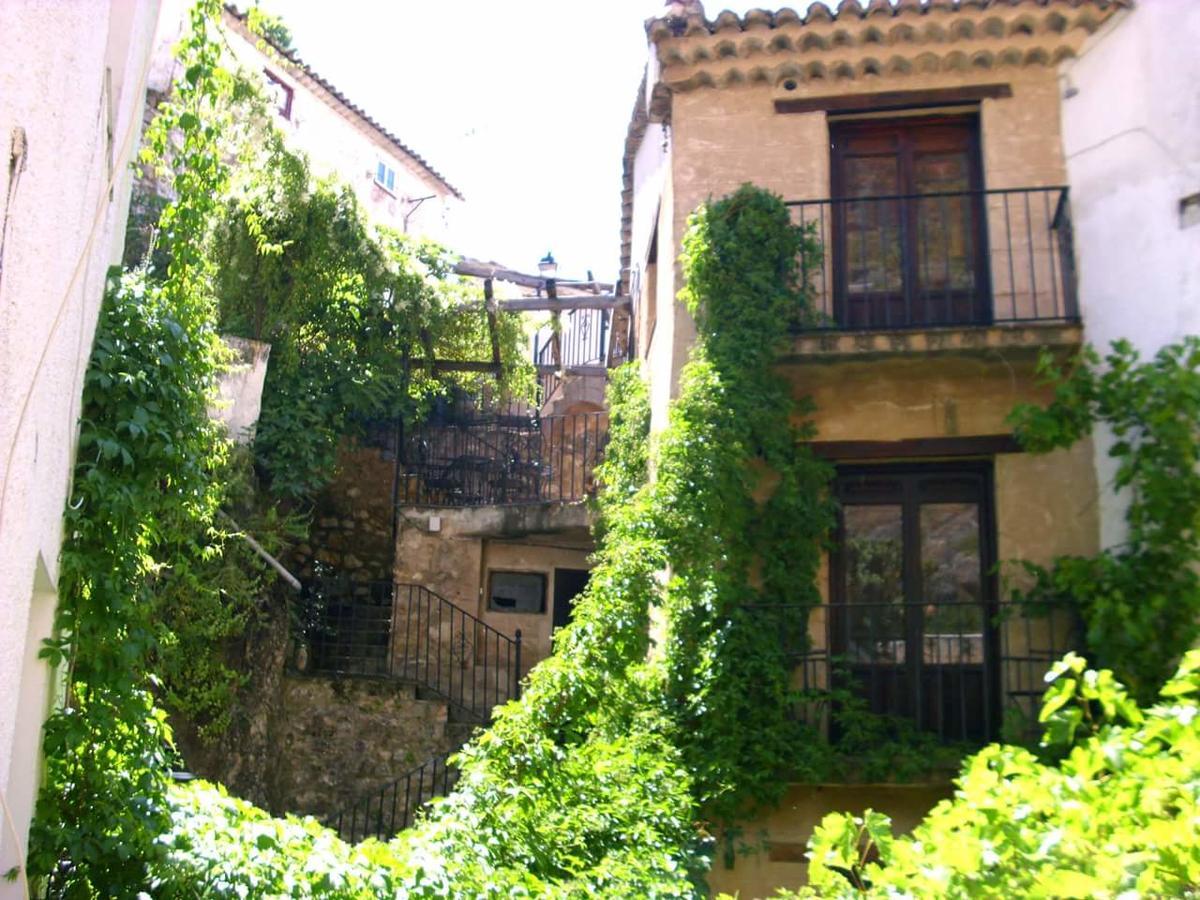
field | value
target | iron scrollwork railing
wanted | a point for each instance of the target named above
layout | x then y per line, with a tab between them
408	632
941	259
490	460
392	808
958	669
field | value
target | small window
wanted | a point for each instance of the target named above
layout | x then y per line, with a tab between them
385	177
280	94
521	592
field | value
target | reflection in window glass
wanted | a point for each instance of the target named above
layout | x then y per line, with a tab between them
523	592
874	582
950	569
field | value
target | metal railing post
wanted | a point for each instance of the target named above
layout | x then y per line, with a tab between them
517	667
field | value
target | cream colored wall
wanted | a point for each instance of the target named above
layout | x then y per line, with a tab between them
71	94
722	138
781	863
527	557
1131	130
335	140
454	560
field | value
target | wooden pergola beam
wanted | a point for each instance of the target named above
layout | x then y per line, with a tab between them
561	304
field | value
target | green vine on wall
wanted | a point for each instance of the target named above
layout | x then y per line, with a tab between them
1139	601
141	491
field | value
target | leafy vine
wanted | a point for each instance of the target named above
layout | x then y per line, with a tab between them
1139	602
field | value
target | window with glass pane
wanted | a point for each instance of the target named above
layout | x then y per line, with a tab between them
911	627
522	592
908	224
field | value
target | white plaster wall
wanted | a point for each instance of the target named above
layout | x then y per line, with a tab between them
1131	136
72	83
334	140
240	388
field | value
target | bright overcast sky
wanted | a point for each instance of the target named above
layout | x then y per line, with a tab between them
522	105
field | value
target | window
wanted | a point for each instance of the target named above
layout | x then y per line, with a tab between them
385	177
521	592
909	236
912	612
280	94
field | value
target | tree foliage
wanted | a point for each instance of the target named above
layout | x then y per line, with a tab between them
349	310
1112	814
1139	601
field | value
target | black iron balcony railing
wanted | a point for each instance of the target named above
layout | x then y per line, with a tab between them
407	631
503	460
957	669
392	808
582	340
940	259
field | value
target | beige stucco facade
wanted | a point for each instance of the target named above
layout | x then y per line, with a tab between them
755	98
454	552
71	91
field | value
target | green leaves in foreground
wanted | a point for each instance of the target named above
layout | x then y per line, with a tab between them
1118	815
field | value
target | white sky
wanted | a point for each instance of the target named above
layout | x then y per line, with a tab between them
521	104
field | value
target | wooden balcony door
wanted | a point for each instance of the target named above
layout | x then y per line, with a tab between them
912	616
909	237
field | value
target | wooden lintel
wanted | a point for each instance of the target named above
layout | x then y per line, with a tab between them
884	100
916	448
546	304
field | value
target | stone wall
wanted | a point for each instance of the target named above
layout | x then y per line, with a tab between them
351	533
336	740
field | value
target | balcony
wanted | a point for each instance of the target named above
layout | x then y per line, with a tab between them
471	458
955	669
938	261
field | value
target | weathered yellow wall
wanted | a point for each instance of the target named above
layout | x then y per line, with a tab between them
454	561
529	557
786	831
723	138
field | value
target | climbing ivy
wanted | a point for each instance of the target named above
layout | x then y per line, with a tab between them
1139	601
141	486
600	780
351	312
150	581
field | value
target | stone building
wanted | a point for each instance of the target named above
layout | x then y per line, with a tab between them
71	90
924	145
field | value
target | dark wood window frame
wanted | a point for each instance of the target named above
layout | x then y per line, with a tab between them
289	93
863	484
911	300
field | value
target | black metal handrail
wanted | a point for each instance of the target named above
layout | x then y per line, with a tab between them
490	462
390	809
943	258
582	340
978	664
406	631
458	656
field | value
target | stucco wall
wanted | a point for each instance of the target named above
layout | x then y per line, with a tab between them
71	94
454	561
334	139
780	837
240	388
1131	132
